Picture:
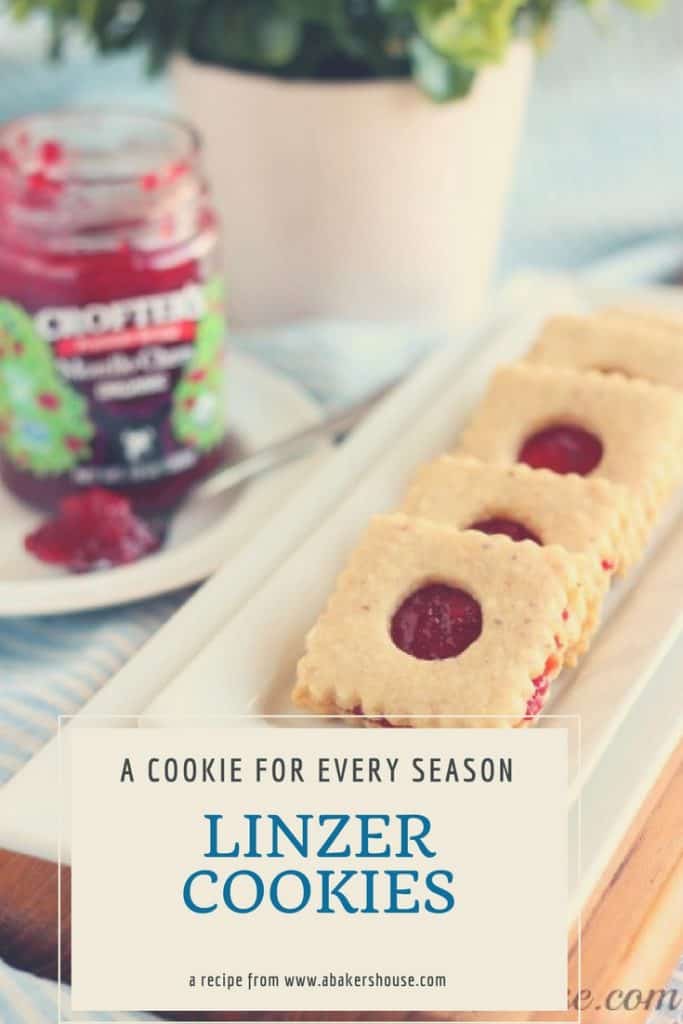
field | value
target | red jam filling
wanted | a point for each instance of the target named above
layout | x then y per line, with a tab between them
508	527
436	622
93	530
563	449
541	685
608	565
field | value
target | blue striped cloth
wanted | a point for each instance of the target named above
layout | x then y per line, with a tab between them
599	179
51	666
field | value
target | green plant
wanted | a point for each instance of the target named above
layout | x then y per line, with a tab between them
442	43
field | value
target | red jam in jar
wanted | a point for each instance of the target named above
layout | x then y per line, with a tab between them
112	329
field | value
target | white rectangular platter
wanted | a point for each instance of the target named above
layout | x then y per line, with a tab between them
247	663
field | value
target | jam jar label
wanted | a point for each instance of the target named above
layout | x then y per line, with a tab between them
114	393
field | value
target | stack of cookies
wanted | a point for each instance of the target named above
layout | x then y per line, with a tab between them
463	606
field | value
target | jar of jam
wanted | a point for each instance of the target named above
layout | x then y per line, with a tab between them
111	309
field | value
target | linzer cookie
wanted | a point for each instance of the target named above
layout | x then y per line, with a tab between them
580	515
626	431
654	319
592	517
614	342
428	624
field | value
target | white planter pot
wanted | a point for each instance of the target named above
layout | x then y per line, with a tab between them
356	200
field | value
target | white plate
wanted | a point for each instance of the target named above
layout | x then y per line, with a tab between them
204	533
242	660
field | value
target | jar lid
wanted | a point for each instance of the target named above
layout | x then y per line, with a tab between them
97	170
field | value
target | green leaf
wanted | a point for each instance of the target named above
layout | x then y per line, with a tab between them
644	6
22	9
395	6
471	32
258	35
439	77
277	39
87	12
